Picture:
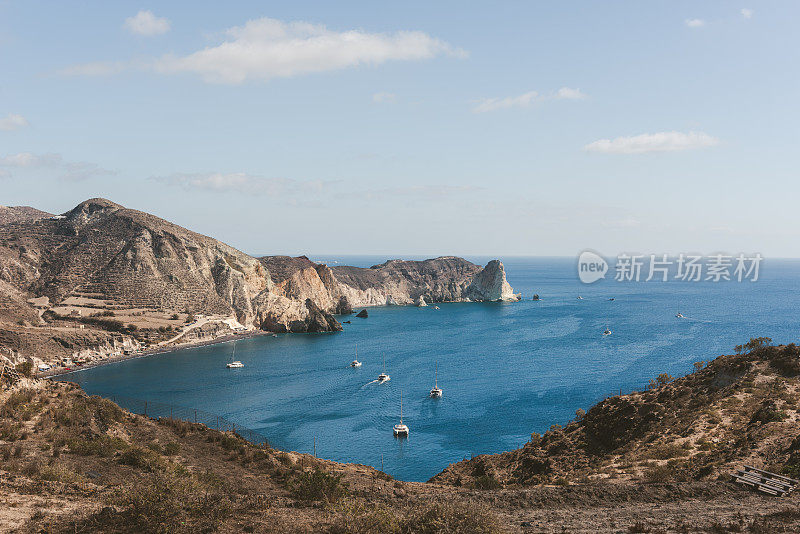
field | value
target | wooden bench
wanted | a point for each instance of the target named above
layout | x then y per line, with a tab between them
765	481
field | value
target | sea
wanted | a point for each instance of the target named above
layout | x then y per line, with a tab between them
506	369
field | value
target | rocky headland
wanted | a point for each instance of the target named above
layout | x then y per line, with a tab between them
101	273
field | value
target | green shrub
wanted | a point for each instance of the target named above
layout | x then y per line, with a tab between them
660	380
354	516
15	402
143	459
665	451
658	473
318	485
104	446
452	517
486	482
25	368
164	502
755	345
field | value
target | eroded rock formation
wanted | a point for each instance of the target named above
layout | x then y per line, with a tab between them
101	250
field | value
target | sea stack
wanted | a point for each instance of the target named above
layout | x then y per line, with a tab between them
363	314
491	285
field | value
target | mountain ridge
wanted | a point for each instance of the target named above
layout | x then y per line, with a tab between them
103	258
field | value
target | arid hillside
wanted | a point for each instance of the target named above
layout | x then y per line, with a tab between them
136	280
12	214
655	461
737	409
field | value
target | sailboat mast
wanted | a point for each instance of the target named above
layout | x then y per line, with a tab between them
436	376
401	407
233	354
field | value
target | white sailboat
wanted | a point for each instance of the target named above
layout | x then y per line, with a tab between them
400	430
679	315
356	363
436	391
234	364
383	377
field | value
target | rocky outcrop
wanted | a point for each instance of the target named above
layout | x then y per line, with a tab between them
130	259
363	314
491	285
445	279
343	307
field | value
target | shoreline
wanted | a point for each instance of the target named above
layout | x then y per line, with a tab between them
152	352
232	337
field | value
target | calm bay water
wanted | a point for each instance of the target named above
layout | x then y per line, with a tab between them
506	369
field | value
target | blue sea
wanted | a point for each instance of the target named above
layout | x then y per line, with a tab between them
507	369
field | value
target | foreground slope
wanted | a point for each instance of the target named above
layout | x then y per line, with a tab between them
73	463
737	409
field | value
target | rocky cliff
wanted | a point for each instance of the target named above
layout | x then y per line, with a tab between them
108	257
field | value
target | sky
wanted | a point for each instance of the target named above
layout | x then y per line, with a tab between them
414	128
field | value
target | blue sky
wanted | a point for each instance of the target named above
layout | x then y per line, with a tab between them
421	128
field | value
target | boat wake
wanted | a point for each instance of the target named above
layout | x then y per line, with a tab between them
696	320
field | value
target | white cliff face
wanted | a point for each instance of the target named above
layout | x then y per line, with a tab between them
491	285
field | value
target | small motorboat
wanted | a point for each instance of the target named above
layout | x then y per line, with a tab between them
606	332
580	297
234	364
436	391
612	298
679	315
400	430
436	308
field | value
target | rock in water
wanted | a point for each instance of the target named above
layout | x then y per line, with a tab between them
318	320
491	285
343	307
421	301
363	314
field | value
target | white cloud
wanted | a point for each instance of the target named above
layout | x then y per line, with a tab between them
68	170
268	48
525	100
695	23
241	182
419	192
12	122
95	68
146	23
657	142
747	13
493	104
384	98
565	93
